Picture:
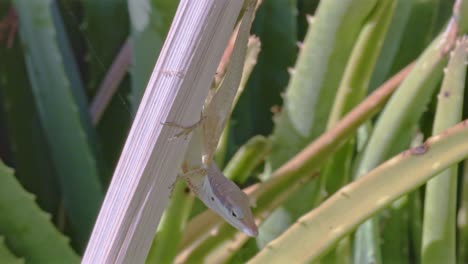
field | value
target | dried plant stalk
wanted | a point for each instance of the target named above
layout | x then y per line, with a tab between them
149	162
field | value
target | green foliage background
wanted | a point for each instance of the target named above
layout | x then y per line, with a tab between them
318	60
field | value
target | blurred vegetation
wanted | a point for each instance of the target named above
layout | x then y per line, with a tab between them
315	62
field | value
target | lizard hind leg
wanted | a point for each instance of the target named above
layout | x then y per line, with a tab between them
185	130
194	178
192	173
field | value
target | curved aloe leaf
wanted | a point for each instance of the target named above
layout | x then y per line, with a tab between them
440	203
247	158
61	120
306	8
329	41
355	84
69	63
28	230
33	165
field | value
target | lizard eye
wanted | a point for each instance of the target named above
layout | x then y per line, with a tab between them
237	213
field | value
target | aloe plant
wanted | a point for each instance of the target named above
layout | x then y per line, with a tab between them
441	192
67	128
326	134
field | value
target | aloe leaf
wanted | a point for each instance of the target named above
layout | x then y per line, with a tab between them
415	224
73	75
355	84
33	165
316	232
171	228
27	229
356	77
306	8
69	63
395	245
69	144
247	158
329	40
342	253
460	15
395	225
440	201
395	125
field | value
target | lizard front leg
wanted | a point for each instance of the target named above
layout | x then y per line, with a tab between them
185	130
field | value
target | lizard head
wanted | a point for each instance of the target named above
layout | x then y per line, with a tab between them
230	202
237	207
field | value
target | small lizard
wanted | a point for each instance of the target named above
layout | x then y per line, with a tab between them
222	196
202	175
